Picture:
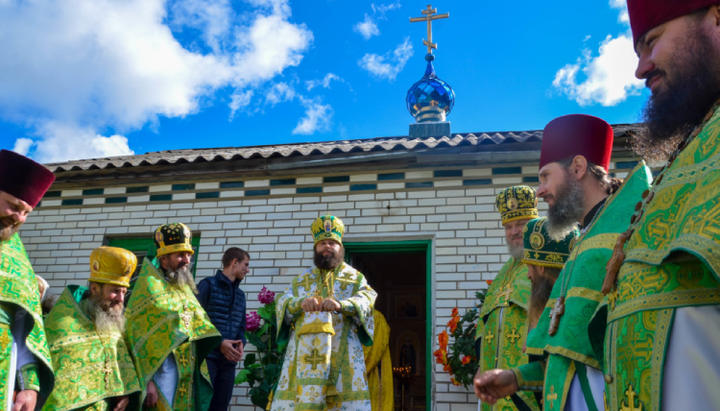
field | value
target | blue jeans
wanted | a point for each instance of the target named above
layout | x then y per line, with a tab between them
222	377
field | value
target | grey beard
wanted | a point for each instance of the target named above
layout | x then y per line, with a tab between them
110	319
181	276
539	296
7	232
516	252
564	215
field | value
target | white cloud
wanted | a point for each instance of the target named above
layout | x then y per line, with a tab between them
384	8
92	65
390	64
324	82
318	117
23	145
240	100
367	28
279	93
607	78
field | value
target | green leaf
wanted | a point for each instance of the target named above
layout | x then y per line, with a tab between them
242	376
265	314
263	329
249	360
257	342
259	397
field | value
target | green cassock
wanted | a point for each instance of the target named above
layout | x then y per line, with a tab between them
503	327
672	262
570	350
163	319
19	289
90	367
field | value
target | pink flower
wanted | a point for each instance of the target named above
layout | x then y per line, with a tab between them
252	321
266	296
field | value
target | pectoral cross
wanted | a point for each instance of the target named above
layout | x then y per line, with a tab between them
107	370
314	358
552	397
429	16
630	404
4	340
183	361
555	315
490	337
506	293
186	317
513	335
344	283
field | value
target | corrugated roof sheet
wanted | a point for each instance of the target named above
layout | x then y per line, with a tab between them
309	149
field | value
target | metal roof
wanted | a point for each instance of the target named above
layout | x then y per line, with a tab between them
381	144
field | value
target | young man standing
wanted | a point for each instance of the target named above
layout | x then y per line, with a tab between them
226	310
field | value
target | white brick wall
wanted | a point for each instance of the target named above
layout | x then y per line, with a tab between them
468	246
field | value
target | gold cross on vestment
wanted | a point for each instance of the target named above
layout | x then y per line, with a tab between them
183	361
555	314
513	335
314	358
186	317
4	340
630	404
489	337
429	16
344	282
107	370
552	397
307	282
506	293
182	390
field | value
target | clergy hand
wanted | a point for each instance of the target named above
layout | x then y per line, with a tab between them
310	305
495	384
25	401
227	348
330	304
152	396
122	403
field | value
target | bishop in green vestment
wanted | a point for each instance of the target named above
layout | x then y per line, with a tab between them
662	339
169	334
25	365
85	331
502	326
326	316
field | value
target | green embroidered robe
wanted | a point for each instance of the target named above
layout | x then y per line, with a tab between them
682	217
502	326
353	327
19	289
164	319
572	347
90	367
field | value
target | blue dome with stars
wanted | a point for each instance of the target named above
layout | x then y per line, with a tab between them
430	99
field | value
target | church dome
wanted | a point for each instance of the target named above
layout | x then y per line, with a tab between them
430	99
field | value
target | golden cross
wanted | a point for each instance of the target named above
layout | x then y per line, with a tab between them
429	16
344	282
186	316
630	404
489	337
107	370
4	340
183	361
506	293
552	396
513	335
314	358
182	390
307	282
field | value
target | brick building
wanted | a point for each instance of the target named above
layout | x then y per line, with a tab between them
420	216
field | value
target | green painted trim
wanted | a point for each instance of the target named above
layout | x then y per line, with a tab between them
383	247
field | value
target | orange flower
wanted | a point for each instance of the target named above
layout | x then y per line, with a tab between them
454	381
453	323
466	359
489	282
447	369
440	356
443	339
454	312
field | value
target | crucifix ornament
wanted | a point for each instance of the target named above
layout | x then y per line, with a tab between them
429	14
555	314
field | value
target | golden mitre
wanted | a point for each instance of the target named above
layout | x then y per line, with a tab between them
327	227
516	203
112	265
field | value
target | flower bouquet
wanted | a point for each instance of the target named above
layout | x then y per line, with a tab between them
264	367
458	359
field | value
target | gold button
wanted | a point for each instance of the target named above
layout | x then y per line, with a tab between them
608	378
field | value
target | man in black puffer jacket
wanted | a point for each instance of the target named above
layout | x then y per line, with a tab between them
226	310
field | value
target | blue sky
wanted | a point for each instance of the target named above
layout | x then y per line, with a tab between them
87	78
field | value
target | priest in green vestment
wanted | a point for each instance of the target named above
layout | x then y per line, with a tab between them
661	323
574	181
85	331
168	332
26	375
502	326
326	315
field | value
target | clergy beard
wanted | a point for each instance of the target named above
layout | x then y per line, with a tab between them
8	228
181	276
563	216
108	315
671	115
328	262
539	296
516	251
